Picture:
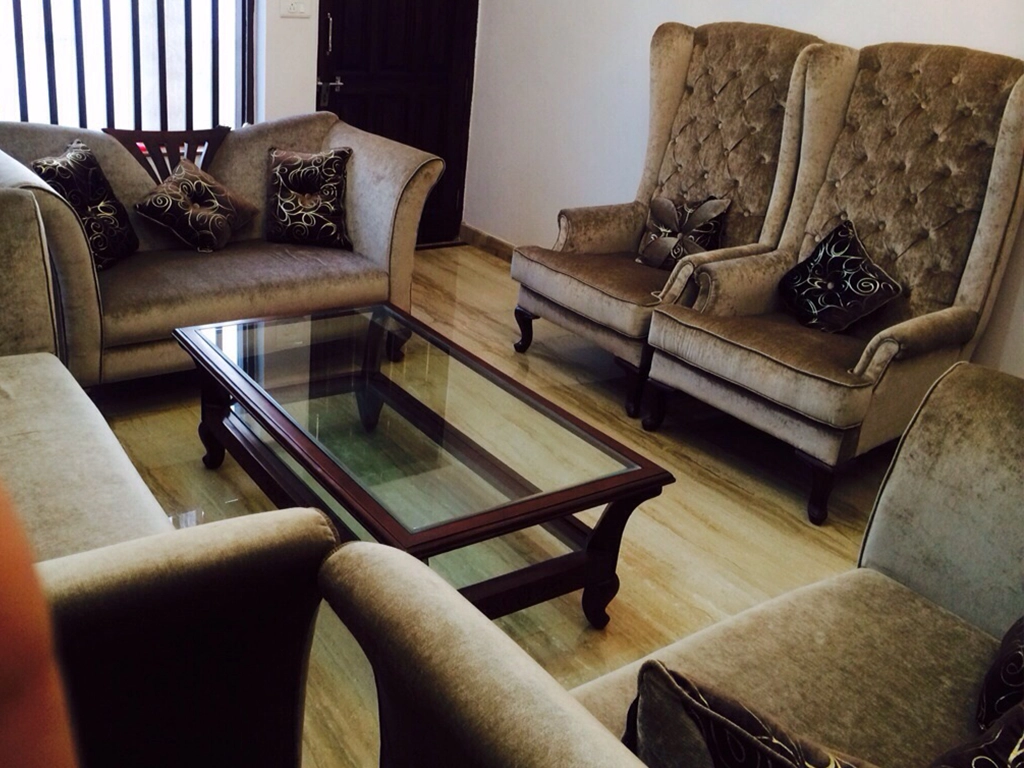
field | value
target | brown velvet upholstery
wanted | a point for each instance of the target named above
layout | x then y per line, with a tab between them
726	106
190	648
387	186
883	662
927	166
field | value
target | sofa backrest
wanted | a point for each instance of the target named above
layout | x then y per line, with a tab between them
917	170
726	136
949	518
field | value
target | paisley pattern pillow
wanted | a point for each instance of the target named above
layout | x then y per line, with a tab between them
306	198
196	207
674	231
837	284
1003	686
673	722
76	176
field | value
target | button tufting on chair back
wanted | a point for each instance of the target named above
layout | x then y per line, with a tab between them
727	132
911	166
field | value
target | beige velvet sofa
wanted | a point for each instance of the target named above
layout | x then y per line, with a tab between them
176	647
118	321
883	662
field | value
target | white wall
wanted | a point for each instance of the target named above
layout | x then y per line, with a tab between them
560	103
286	61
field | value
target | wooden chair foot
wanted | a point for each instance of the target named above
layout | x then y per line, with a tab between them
525	321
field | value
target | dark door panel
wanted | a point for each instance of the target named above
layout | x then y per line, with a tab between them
404	69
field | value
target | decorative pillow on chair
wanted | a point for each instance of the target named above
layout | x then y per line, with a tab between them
1004	683
837	284
196	207
1002	745
674	722
76	176
306	198
674	231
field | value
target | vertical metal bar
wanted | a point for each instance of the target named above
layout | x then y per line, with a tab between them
51	66
250	62
188	65
161	55
19	54
215	61
137	64
108	59
83	116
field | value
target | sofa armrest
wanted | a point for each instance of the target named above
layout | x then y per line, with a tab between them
213	623
452	688
601	228
73	266
388	184
949	328
681	288
28	314
744	286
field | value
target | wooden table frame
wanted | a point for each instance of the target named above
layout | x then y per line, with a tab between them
591	565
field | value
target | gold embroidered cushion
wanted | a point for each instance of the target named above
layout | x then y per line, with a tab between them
306	198
77	177
197	208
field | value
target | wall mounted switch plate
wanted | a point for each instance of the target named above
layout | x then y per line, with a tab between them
295	9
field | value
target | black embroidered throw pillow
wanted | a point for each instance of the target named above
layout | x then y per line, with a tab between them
674	231
1001	745
837	284
1003	686
76	176
673	721
306	198
196	207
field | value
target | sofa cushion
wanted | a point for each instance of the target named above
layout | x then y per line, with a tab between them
146	298
1001	745
76	175
610	289
858	662
72	484
197	208
773	355
675	721
837	284
1003	686
306	198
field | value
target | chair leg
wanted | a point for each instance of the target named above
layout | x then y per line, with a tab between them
822	479
659	402
636	389
525	321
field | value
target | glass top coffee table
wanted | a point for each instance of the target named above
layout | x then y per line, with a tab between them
407	439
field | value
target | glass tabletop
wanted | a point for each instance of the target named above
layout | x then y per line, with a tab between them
428	431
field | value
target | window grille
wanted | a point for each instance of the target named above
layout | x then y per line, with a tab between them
142	64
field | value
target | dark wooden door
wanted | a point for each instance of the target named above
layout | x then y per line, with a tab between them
404	69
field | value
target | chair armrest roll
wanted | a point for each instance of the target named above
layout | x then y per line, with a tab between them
601	228
213	623
743	286
681	288
387	186
452	688
948	328
28	315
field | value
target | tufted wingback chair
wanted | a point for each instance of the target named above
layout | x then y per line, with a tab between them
928	167
728	104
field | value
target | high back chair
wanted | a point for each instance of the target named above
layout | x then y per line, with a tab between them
927	169
728	103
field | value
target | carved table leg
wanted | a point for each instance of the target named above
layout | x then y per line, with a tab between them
214	405
525	320
603	549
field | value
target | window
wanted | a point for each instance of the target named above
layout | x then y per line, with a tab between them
143	64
